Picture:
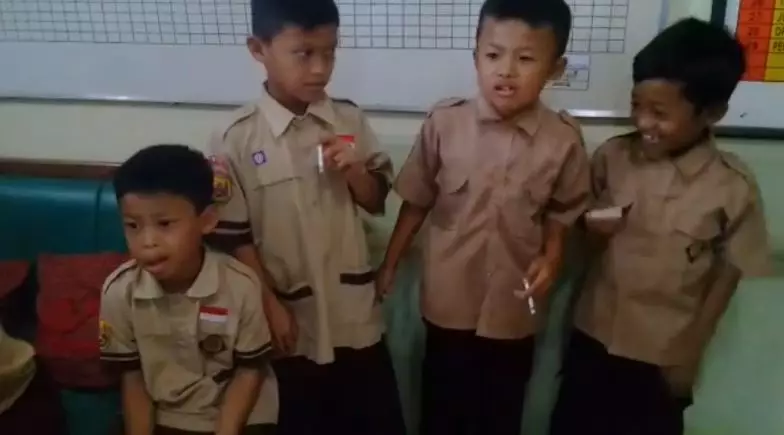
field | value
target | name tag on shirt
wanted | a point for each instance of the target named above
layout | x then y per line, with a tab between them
213	314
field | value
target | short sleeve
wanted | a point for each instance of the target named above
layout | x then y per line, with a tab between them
416	181
253	345
377	162
117	342
233	229
748	247
572	192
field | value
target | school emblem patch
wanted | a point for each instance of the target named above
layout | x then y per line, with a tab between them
221	182
212	344
104	334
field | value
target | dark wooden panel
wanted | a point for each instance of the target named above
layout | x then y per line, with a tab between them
56	169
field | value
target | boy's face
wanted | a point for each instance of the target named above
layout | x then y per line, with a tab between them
514	62
164	235
667	120
299	62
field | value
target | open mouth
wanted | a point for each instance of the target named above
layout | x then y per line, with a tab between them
650	138
504	91
155	266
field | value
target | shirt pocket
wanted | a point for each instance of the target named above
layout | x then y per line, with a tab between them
451	200
696	242
357	295
268	176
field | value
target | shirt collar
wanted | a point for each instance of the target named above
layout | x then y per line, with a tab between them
528	121
693	161
690	161
205	284
279	118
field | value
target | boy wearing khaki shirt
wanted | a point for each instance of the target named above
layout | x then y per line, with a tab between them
681	222
295	171
501	178
183	325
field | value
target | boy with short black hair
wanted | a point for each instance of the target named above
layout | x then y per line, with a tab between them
294	172
690	225
182	324
501	178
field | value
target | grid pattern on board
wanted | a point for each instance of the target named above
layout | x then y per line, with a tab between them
599	25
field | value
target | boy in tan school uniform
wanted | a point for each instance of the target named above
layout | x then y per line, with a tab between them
690	225
501	177
183	325
295	171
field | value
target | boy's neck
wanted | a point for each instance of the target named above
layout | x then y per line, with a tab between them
184	283
293	105
701	139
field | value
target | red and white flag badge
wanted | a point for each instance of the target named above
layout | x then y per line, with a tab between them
213	314
349	139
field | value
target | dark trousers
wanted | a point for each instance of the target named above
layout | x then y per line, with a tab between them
602	394
36	411
355	395
473	385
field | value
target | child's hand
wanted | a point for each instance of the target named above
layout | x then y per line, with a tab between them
340	153
541	275
385	279
283	327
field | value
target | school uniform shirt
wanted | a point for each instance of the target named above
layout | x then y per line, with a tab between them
303	221
17	369
188	344
693	222
490	185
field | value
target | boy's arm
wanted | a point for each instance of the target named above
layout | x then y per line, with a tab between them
120	355
233	235
570	199
417	187
251	356
748	255
138	409
370	181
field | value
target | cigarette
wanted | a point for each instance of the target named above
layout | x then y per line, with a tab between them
521	293
320	158
531	305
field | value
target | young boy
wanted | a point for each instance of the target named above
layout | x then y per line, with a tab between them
184	325
666	269
294	170
502	178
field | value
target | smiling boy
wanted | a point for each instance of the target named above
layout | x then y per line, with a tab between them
663	272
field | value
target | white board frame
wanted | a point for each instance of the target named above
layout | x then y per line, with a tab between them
183	59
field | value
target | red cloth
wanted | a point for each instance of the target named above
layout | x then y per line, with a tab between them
69	301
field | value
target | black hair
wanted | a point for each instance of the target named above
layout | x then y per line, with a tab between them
554	14
270	17
704	58
172	169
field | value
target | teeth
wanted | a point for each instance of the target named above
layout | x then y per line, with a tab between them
650	138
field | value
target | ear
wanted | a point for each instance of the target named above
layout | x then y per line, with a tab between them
257	48
715	113
209	219
558	68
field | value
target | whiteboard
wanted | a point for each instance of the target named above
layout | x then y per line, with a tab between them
395	54
759	24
